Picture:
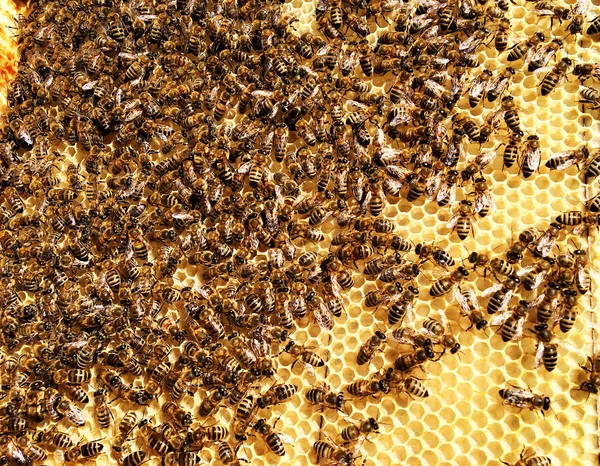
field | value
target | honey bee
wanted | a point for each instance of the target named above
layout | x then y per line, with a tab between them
546	242
461	221
408	361
277	393
101	409
370	347
556	75
274	440
529	457
446	284
526	48
590	96
470	308
577	15
547	352
368	387
531	156
402	307
511	321
566	159
83	451
333	453
499	84
544	54
321	395
522	398
124	429
303	354
439	332
592	367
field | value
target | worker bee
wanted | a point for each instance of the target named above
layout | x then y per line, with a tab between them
546	242
511	321
450	283
274	440
402	307
500	294
470	308
526	48
321	395
555	76
83	451
529	457
370	347
587	70
592	367
566	159
577	15
544	54
381	296
102	411
499	84
531	156
277	393
590	96
368	387
332	453
462	219
547	352
307	358
439	332
407	362
533	275
594	26
522	398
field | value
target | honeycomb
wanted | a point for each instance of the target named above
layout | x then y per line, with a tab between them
462	421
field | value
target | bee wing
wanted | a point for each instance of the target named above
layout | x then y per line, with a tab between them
536	301
506	300
533	158
285	438
323	316
434	87
458	83
456	293
542	70
581	7
75	415
491	290
447	191
539	353
433	184
483	200
307	367
453	220
516	401
538	280
406	337
463	302
477	88
501	317
259	347
545	245
540	11
469	44
397	172
485	158
89	85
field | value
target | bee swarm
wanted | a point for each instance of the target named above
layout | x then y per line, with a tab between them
329	232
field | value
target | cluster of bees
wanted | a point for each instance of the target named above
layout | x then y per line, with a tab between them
221	141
